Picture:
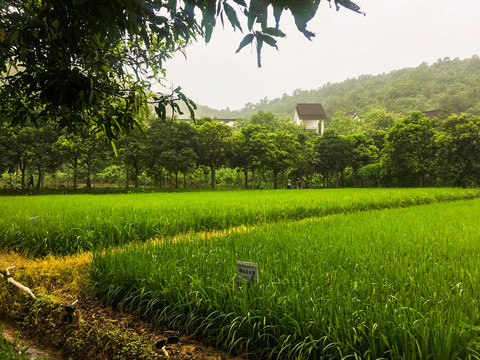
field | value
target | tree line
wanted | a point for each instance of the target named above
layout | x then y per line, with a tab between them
380	148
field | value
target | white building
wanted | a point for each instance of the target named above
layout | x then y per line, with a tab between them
313	116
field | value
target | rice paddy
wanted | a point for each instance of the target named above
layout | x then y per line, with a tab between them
60	224
366	274
398	284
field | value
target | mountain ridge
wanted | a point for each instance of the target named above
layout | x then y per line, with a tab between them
452	85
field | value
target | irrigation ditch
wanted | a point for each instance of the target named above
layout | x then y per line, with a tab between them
31	350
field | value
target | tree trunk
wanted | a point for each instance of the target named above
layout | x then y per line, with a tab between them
214	176
75	175
127	178
253	179
135	168
170	179
275	185
39	180
421	181
176	179
89	182
22	169
283	179
336	179
246	178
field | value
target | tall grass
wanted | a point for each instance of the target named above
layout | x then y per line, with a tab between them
396	284
74	223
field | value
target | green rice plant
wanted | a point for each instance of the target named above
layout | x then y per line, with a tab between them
398	284
66	224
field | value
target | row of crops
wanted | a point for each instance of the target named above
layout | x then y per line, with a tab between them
365	275
71	224
399	284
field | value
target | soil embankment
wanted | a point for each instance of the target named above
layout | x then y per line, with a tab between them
94	331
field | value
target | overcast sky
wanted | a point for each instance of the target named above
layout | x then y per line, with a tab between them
394	34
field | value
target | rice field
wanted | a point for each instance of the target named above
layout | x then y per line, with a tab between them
68	224
398	283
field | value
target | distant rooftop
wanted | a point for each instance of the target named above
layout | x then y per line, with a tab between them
311	112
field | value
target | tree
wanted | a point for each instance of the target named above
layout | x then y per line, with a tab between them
282	152
410	149
8	152
304	166
333	153
131	150
171	146
249	147
31	148
364	152
44	158
379	119
215	139
459	149
91	63
72	148
342	124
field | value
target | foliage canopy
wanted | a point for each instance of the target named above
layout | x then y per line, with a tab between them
92	63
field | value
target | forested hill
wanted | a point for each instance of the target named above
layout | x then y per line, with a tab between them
448	85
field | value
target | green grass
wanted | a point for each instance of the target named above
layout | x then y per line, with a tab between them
397	284
74	223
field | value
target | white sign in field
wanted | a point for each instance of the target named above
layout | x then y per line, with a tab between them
247	272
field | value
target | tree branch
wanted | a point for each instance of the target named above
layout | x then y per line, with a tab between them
6	275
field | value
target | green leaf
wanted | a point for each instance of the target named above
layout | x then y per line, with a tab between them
13	36
241	2
273	32
208	21
161	111
277	13
349	5
232	16
246	40
114	147
267	39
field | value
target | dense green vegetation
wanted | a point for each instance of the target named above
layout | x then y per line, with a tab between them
380	149
397	284
69	224
450	85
